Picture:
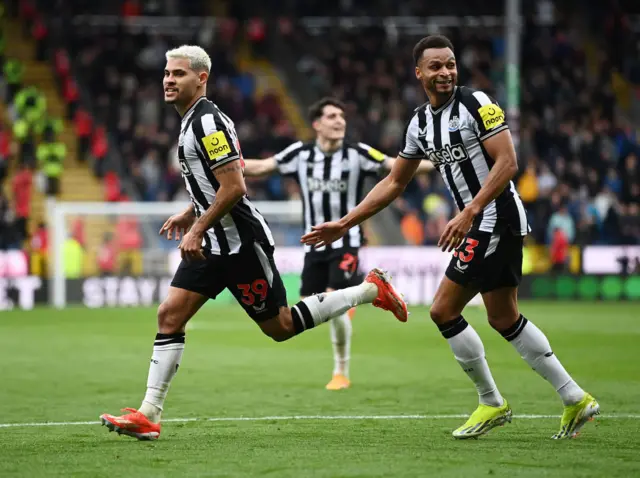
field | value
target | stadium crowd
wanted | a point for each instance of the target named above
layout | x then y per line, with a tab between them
579	174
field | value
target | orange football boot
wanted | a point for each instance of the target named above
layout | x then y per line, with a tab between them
388	298
133	424
338	382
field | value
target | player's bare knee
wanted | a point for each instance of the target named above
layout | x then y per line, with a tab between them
169	319
441	314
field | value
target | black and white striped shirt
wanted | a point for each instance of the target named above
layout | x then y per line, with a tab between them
331	184
208	140
451	138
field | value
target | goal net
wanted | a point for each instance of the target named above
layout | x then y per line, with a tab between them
111	255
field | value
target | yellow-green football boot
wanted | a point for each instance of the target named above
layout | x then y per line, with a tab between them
576	416
484	419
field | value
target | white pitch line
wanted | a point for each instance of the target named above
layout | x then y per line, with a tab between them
306	417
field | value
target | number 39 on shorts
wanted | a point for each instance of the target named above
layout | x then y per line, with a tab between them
258	287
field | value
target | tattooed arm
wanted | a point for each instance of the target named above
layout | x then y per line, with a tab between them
232	189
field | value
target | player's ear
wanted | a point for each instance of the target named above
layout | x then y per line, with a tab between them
418	73
203	76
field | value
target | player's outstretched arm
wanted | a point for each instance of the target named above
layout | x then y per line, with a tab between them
260	167
500	148
232	189
423	167
378	198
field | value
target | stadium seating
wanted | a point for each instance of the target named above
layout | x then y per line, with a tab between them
77	183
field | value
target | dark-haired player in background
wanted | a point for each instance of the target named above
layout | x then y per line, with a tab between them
330	173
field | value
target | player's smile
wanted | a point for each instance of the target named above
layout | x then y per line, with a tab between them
444	83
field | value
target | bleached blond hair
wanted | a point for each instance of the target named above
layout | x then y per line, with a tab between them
198	58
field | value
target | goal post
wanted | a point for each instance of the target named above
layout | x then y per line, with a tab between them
88	223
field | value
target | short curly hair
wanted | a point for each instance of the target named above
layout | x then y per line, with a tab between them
432	41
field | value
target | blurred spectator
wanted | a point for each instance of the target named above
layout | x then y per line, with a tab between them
71	95
559	250
83	127
30	104
151	175
13	73
6	143
73	254
562	221
40	34
99	150
528	185
129	241
26	146
131	8
22	185
50	157
48	127
8	239
112	187
39	250
107	255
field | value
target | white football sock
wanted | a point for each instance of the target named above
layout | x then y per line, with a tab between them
341	330
167	353
533	346
316	309
468	350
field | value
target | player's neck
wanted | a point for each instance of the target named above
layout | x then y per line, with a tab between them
182	110
437	100
329	146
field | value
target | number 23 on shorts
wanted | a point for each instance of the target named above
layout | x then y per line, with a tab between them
467	254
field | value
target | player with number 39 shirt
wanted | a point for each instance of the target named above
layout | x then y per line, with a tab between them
225	243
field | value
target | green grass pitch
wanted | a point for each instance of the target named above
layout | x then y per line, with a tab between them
73	365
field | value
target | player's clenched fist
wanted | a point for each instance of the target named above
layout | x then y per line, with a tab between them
177	225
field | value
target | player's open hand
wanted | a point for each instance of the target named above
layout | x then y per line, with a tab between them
177	226
455	232
191	246
324	234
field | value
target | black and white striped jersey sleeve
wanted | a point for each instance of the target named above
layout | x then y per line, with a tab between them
488	118
288	159
410	146
371	160
216	139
